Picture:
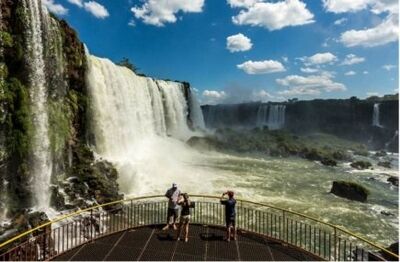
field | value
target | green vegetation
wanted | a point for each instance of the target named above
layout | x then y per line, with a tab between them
126	63
327	149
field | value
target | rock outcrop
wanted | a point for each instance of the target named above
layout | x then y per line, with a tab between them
350	190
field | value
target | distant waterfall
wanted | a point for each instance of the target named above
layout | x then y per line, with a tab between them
375	116
197	114
272	116
41	156
137	123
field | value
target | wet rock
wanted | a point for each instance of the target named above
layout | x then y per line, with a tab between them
328	162
360	165
394	180
350	190
385	164
387	213
380	153
57	199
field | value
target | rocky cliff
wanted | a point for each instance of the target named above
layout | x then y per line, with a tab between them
346	118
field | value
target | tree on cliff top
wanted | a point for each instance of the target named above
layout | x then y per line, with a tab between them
126	63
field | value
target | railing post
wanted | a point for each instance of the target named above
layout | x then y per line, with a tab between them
130	214
91	225
284	226
334	243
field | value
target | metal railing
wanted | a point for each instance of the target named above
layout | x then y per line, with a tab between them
313	236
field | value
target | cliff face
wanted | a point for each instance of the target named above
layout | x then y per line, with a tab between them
66	106
346	118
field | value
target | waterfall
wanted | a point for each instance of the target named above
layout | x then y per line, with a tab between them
41	156
375	115
272	116
138	124
196	113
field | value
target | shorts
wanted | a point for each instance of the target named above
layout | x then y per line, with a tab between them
185	219
230	221
172	213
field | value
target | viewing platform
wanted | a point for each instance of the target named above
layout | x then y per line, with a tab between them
131	230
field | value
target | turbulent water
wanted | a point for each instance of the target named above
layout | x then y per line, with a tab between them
140	125
41	153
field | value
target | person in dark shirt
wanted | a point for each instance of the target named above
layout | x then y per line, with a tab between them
185	204
230	214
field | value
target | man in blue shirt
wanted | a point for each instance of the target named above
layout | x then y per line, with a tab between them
230	214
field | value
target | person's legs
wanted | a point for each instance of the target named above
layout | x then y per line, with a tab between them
234	230
169	218
178	235
175	216
187	231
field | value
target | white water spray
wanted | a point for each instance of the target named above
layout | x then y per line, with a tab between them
41	158
375	115
272	116
139	124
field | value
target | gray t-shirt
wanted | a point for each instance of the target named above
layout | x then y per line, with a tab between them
173	195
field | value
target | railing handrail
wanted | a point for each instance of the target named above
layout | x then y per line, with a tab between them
76	213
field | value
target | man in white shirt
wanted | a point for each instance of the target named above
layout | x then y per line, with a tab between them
173	208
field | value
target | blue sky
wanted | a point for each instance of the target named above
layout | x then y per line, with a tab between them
242	50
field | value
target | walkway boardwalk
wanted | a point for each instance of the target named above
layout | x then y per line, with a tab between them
205	243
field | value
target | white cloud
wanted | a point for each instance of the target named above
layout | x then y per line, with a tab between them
261	95
319	58
55	8
273	16
384	33
342	6
309	70
213	96
285	59
352	59
350	73
388	67
238	43
309	85
160	12
76	2
132	23
340	21
242	3
365	72
261	67
96	9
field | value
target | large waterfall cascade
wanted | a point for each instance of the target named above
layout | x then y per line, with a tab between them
272	116
375	116
41	35
140	124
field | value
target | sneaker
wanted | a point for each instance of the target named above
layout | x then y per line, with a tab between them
178	239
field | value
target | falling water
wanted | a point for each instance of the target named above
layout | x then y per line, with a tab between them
140	124
196	113
375	116
41	158
272	116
